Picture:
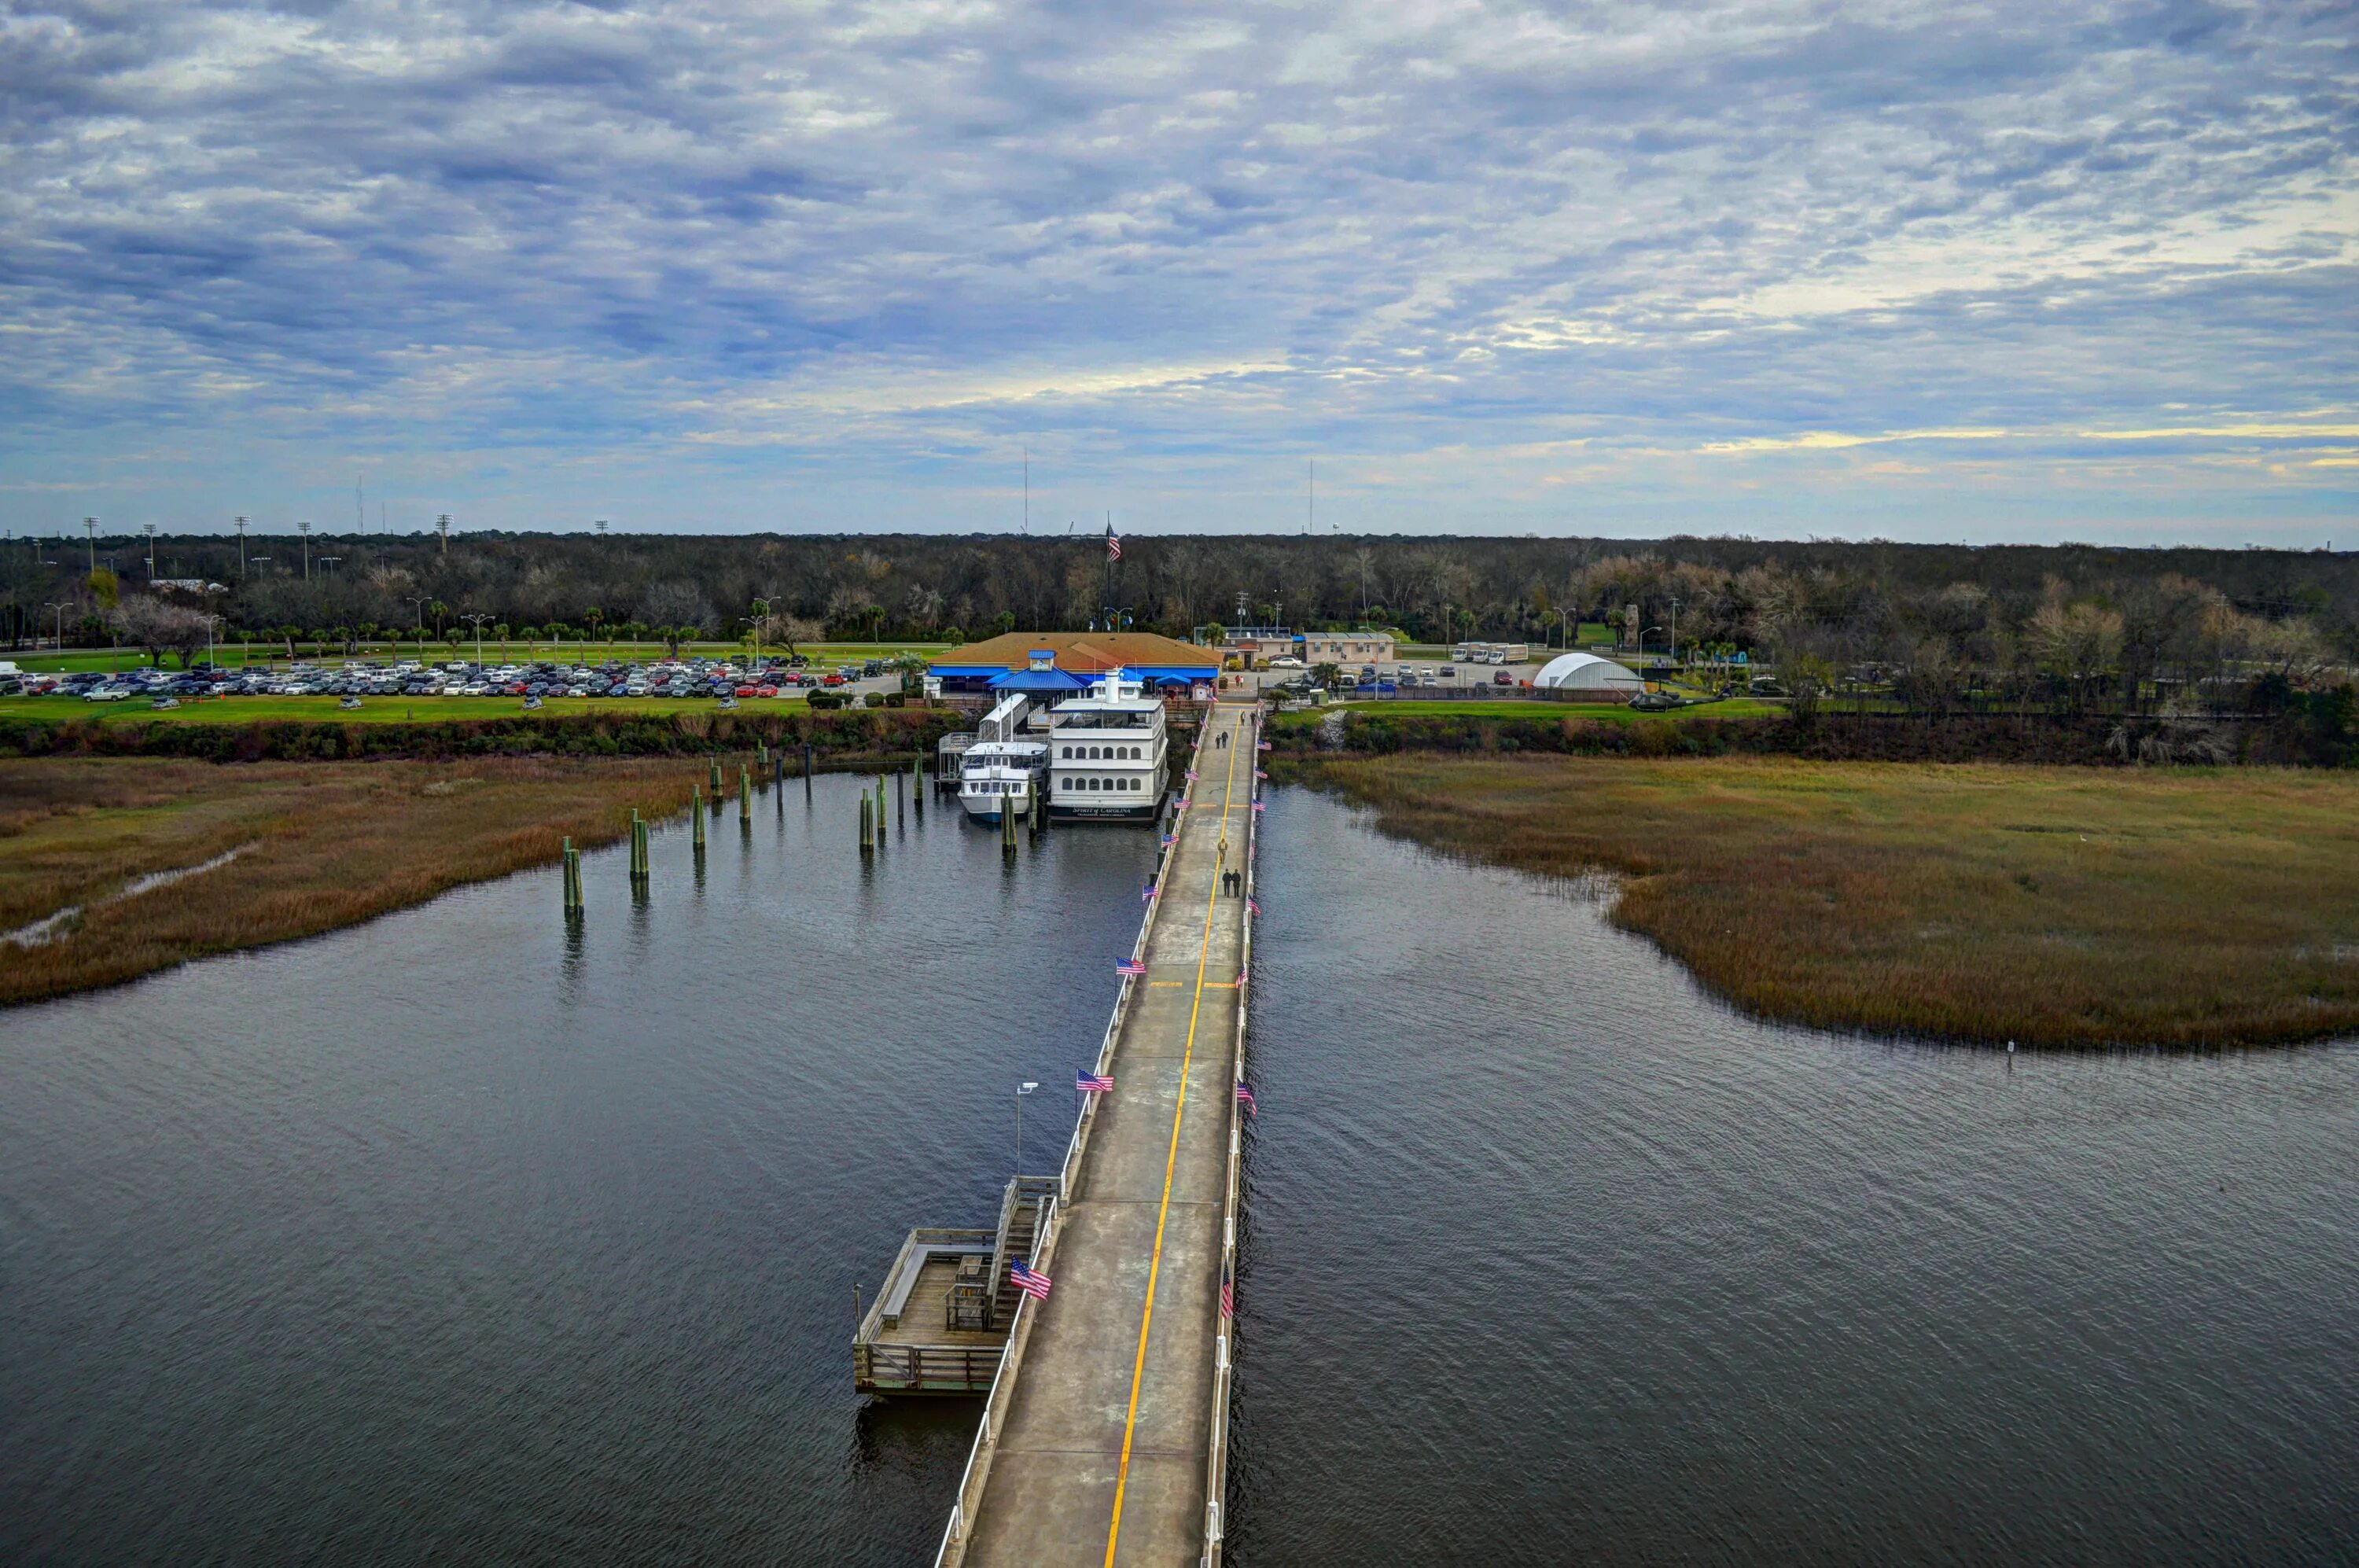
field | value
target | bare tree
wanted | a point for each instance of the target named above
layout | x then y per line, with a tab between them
677	611
157	627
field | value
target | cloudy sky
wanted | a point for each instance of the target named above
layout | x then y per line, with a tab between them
1940	270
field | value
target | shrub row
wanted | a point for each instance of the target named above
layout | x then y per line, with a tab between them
852	731
2090	741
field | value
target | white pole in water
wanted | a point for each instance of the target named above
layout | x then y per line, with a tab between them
1021	1090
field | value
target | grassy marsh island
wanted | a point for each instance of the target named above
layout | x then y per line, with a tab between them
2052	906
123	866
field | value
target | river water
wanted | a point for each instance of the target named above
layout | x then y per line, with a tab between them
457	1238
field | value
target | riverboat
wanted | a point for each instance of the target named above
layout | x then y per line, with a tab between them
1107	753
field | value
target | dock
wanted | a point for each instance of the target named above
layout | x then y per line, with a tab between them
1103	1438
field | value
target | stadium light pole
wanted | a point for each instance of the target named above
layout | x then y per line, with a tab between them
89	531
241	546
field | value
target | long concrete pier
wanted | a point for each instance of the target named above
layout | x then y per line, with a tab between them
1104	1439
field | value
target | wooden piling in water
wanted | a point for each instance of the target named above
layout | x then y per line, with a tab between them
867	833
917	786
744	795
1007	832
716	783
807	759
696	819
570	860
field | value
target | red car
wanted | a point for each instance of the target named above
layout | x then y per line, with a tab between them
832	680
1503	679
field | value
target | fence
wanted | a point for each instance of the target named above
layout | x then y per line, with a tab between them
1216	1462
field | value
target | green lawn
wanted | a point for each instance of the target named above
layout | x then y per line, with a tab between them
372	710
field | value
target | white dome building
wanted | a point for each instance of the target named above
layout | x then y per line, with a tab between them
1588	672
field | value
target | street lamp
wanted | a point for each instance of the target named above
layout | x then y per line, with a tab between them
61	609
1642	637
478	617
1021	1090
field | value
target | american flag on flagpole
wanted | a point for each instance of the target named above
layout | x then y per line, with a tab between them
1130	966
1088	1082
1228	1291
1029	1281
1244	1098
1113	546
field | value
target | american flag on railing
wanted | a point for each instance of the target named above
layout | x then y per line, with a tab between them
1244	1098
1088	1082
1258	805
1130	966
1259	774
1191	773
1031	1281
1147	892
1261	746
1170	839
1228	1290
1255	905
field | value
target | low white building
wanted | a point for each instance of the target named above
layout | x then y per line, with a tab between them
1588	672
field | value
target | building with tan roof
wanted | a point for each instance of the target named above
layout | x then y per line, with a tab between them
1056	664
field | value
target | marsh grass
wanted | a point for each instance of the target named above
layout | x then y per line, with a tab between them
326	844
2046	905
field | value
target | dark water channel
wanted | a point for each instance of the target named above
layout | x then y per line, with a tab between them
450	1239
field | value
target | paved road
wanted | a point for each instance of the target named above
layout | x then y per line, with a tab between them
1103	1456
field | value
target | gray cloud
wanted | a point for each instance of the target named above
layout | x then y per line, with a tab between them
1529	251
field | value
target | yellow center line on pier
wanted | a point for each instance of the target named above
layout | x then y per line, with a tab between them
1170	1163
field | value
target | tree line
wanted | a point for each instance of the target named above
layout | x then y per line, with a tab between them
2068	625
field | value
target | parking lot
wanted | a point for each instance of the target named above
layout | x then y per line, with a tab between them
717	680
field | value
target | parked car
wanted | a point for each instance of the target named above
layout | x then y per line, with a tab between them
1505	678
1286	662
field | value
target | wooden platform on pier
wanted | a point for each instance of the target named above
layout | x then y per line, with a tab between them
1105	1447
